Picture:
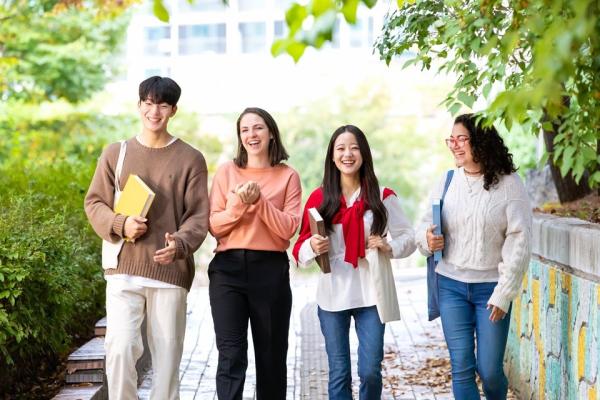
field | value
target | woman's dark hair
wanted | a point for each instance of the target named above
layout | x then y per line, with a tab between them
160	90
277	152
332	188
488	149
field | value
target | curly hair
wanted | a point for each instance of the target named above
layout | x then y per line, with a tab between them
488	150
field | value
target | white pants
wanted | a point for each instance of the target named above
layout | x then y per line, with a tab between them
126	305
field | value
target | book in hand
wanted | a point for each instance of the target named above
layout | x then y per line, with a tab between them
317	227
436	213
136	198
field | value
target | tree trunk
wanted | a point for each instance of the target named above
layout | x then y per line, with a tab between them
566	187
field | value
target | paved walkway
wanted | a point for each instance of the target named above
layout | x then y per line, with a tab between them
415	364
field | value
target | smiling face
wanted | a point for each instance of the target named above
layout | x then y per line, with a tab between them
155	117
460	146
346	154
255	135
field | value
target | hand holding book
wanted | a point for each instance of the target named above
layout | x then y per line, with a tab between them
134	227
319	242
134	201
434	242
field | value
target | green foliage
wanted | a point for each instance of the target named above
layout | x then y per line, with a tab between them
51	285
535	61
57	49
187	127
312	24
398	148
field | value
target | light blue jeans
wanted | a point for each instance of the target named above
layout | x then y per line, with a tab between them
464	315
335	327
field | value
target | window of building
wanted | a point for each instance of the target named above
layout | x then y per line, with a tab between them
283	4
250	5
359	33
164	71
280	29
202	5
157	41
254	36
198	39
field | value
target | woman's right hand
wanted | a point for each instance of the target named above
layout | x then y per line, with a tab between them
434	242
319	244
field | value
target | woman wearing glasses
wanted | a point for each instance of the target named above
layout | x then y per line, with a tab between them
486	230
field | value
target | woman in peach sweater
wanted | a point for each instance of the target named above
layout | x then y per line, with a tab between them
255	208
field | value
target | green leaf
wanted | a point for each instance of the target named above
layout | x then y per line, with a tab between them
402	3
588	154
319	7
410	62
547	126
455	108
296	50
467	99
349	10
475	44
486	89
160	11
295	16
567	160
595	178
544	159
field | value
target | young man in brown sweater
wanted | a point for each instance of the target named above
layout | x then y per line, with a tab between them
155	272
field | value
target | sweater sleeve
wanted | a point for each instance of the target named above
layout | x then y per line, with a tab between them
401	236
226	208
283	223
194	222
99	199
516	250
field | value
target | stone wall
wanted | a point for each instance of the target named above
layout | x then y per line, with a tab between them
554	341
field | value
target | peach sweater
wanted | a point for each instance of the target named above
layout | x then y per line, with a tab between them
267	224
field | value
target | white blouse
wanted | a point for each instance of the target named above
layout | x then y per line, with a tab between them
347	287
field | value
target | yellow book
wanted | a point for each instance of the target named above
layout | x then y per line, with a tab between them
136	198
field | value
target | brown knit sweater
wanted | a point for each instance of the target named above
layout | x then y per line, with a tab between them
178	176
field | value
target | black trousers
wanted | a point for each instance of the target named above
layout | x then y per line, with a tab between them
251	285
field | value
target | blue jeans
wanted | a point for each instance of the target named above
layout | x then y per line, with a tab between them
464	314
335	327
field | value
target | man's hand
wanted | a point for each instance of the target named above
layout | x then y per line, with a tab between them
135	227
434	242
377	242
166	255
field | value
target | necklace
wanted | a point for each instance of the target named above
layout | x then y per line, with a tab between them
474	173
469	183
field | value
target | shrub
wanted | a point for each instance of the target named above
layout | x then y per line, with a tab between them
51	282
51	286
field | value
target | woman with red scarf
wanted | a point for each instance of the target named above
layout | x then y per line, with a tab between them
366	227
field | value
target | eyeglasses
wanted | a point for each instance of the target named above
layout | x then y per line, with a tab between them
460	140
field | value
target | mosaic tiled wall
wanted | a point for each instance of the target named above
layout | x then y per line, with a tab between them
554	340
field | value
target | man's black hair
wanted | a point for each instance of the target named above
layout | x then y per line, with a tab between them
160	90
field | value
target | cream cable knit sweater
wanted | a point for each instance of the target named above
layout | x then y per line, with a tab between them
485	230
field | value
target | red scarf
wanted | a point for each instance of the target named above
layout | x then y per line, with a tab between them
353	227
